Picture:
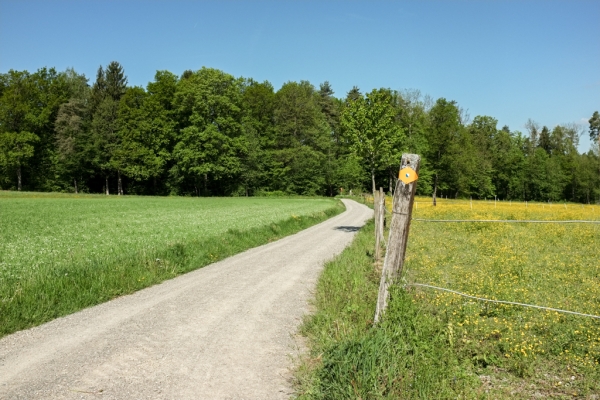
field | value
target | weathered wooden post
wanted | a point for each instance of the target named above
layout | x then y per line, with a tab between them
404	197
376	220
379	208
382	213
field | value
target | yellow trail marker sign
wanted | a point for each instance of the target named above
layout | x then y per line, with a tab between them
408	175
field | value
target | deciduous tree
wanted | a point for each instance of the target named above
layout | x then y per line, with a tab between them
16	148
370	125
209	143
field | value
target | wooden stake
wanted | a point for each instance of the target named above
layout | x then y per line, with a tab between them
376	212
381	213
393	263
379	206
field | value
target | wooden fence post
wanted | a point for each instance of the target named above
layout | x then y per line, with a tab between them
379	208
382	214
404	197
376	219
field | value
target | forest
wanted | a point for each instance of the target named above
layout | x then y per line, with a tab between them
208	133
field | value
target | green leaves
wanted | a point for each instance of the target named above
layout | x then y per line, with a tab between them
370	126
17	147
209	144
302	141
595	126
208	132
145	131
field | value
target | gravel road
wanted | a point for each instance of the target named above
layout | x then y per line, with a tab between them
225	331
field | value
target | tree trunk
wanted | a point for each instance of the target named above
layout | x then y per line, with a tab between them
205	184
75	184
390	180
119	183
435	190
19	178
588	196
107	191
373	179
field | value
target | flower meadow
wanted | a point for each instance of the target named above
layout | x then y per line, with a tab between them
432	344
59	253
547	264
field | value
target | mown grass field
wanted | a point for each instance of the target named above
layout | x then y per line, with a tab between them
434	344
60	253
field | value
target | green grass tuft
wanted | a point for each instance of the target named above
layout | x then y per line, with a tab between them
406	356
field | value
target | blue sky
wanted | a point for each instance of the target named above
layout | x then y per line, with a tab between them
512	60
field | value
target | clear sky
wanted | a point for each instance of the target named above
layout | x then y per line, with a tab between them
512	60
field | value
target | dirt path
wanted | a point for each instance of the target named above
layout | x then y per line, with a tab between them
225	331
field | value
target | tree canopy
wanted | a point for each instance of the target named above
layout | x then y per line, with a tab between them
207	132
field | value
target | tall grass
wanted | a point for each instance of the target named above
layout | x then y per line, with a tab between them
406	356
433	344
59	254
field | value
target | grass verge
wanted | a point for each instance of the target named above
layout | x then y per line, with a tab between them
406	356
49	293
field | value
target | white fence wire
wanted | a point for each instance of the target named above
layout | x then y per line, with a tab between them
514	221
502	301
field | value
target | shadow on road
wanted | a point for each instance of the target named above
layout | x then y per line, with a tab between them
347	228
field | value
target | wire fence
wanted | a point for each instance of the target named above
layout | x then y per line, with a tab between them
502	221
565	204
518	221
368	198
507	221
503	301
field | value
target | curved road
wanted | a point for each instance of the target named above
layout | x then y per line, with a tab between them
225	331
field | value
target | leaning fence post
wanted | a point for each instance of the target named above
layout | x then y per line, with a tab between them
379	208
382	213
376	212
404	197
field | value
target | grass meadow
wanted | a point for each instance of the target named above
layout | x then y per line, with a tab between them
60	253
434	344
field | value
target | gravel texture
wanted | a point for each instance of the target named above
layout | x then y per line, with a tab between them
225	331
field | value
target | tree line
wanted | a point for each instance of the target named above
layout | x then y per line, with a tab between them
208	133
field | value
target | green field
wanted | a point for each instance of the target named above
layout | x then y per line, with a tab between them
433	344
60	253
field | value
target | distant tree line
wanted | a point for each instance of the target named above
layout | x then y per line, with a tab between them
209	133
